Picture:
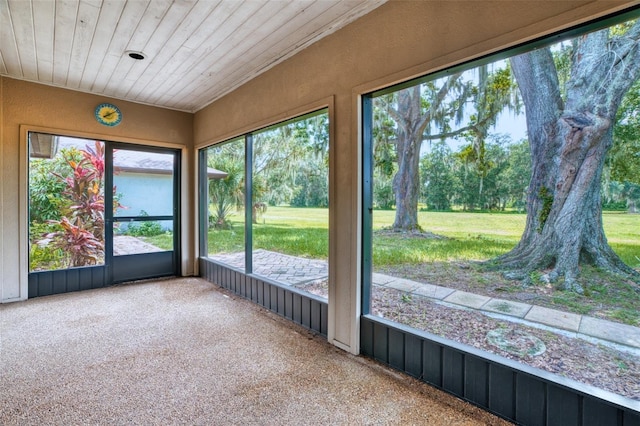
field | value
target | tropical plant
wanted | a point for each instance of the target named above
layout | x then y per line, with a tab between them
226	195
46	201
79	234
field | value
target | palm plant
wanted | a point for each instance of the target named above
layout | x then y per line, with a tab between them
227	194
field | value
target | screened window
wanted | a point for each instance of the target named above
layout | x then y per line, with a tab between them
500	206
267	212
225	210
66	202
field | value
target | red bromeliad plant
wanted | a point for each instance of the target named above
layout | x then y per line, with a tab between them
82	247
81	234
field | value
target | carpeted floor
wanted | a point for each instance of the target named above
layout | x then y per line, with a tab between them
183	351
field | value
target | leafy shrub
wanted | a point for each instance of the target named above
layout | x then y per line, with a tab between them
144	229
79	234
46	201
43	257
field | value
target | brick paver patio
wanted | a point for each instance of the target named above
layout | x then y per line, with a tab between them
293	271
290	270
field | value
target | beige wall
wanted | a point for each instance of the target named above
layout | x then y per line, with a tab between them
397	41
68	112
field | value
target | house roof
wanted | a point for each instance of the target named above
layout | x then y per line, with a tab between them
43	145
195	51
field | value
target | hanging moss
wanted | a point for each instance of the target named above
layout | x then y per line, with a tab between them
547	201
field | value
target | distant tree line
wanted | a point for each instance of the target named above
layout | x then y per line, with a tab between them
452	179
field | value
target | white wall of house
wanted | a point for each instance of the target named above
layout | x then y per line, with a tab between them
151	193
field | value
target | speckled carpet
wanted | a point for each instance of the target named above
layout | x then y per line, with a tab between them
184	351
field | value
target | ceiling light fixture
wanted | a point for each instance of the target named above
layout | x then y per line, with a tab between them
135	55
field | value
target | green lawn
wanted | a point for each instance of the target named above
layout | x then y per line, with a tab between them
470	236
295	231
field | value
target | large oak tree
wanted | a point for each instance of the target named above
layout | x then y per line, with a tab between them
438	110
570	130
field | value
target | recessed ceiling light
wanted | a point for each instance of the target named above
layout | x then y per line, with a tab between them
135	55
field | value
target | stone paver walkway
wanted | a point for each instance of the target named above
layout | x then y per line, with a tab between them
294	271
290	270
126	244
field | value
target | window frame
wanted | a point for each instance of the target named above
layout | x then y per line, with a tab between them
376	332
248	178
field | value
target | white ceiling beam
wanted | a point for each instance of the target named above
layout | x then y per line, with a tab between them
66	12
22	19
8	46
136	22
44	13
110	14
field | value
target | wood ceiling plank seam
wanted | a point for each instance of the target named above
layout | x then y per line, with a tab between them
164	31
64	30
262	32
113	64
238	75
155	12
335	22
222	9
175	52
175	80
8	43
228	44
179	79
353	13
22	19
261	26
121	82
86	23
350	15
127	70
242	72
204	49
108	18
230	25
44	30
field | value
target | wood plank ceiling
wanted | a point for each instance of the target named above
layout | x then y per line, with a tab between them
196	50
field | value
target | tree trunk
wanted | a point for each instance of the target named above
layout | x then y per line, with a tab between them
569	141
406	184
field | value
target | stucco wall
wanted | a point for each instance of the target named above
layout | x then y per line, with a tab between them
144	193
393	43
67	112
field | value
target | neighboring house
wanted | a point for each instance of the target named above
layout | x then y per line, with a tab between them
143	180
143	184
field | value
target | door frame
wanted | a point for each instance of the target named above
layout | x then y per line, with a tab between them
141	266
33	284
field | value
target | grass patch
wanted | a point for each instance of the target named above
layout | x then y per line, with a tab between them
448	261
470	236
304	242
571	302
626	316
163	241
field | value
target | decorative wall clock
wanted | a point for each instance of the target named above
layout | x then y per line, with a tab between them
108	114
